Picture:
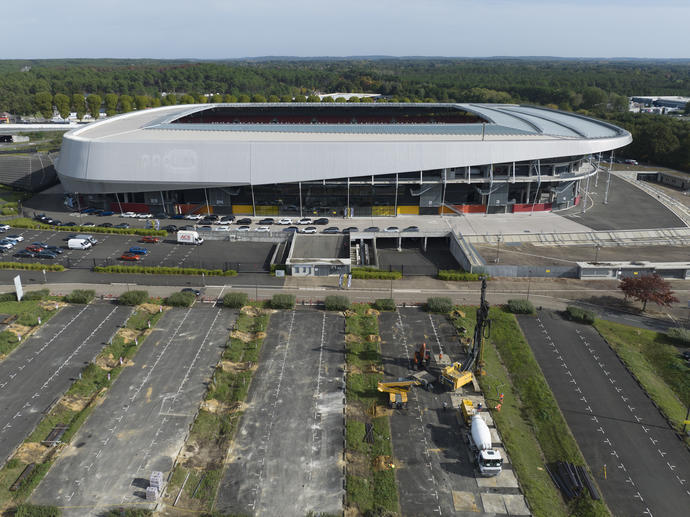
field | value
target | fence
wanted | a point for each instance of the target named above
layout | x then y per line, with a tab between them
240	267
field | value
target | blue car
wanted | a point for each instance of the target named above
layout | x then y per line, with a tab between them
177	216
138	250
106	212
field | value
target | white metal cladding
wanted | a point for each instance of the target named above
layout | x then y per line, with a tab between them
128	153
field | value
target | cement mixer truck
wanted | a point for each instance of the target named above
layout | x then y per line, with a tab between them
488	460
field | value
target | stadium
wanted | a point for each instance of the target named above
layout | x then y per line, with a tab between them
337	159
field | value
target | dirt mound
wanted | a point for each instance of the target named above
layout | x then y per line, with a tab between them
374	338
246	337
31	452
252	311
372	312
128	334
349	313
20	330
383	463
351	338
229	366
49	305
152	308
73	402
357	464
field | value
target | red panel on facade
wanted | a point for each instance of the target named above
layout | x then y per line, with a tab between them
139	208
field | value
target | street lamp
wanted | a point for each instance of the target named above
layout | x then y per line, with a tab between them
498	248
529	281
596	254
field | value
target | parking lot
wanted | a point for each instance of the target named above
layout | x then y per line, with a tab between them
141	425
639	463
434	468
287	457
42	368
244	256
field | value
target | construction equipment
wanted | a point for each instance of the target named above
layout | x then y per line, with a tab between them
468	411
487	459
397	391
482	330
455	377
422	357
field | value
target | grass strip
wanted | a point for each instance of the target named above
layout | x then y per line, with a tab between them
370	483
32	266
73	408
532	426
25	222
216	423
29	313
159	270
655	363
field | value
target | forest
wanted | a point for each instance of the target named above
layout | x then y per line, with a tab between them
594	87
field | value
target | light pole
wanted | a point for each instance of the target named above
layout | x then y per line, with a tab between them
529	281
498	248
596	254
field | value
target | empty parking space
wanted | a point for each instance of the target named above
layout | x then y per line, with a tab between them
141	425
614	422
287	455
37	373
434	467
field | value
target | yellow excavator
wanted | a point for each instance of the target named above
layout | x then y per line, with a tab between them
397	392
454	377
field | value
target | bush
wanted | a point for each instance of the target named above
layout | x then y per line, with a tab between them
80	296
34	266
337	302
8	341
385	304
159	270
283	301
441	304
679	335
8	297
133	298
458	275
40	294
185	299
235	300
520	307
580	315
128	512
373	273
33	510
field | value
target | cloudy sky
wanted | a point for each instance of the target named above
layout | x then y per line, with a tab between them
214	29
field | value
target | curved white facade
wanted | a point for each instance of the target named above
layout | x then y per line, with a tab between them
148	151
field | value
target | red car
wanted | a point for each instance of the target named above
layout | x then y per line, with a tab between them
152	240
34	248
130	256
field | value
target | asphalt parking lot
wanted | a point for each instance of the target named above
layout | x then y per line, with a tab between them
613	420
143	421
412	259
246	256
287	457
42	368
434	468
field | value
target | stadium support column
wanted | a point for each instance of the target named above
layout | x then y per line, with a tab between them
208	208
118	201
608	181
596	178
536	194
491	187
347	208
395	211
584	198
253	202
443	193
299	183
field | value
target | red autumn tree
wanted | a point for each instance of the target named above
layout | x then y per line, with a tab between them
648	288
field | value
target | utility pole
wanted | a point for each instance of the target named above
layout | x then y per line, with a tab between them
596	254
608	181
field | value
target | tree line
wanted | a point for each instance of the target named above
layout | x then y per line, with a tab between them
595	87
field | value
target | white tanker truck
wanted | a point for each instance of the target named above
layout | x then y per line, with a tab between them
488	460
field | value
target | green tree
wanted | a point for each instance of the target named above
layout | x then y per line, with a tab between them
141	102
313	98
243	98
110	101
285	98
273	98
366	99
44	104
186	99
79	105
354	98
618	103
61	102
170	99
687	109
125	103
593	97
299	98
229	98
201	99
93	102
340	99
155	102
327	99
257	97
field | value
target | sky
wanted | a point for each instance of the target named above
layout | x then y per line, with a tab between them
218	29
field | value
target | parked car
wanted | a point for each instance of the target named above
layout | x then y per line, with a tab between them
392	229
72	223
106	212
87	210
372	229
25	253
226	219
40	244
244	220
46	254
150	239
321	221
243	228
34	249
411	229
4	227
105	225
331	229
160	215
17	238
130	256
55	222
291	229
122	226
285	220
267	220
194	217
128	214
144	216
195	292
305	220
177	216
309	229
138	250
7	245
351	229
205	228
55	249
87	224
170	228
262	229
221	228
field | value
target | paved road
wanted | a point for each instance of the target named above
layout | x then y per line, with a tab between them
141	425
435	473
287	456
38	372
613	420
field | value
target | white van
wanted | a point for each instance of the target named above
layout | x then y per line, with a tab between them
78	244
87	237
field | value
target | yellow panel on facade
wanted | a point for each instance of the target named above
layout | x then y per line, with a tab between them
266	210
445	210
382	210
408	210
242	209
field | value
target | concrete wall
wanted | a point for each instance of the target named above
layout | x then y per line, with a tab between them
527	271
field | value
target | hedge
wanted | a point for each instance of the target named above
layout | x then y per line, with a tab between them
337	302
580	315
33	510
133	298
520	307
80	296
156	270
679	335
283	301
33	266
385	304
457	275
441	304
235	300
25	222
181	299
39	294
373	273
